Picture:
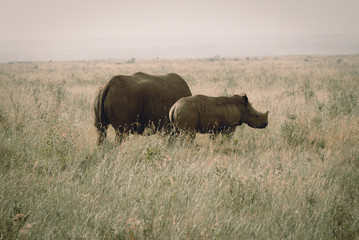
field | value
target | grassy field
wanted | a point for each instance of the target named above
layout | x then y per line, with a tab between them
296	179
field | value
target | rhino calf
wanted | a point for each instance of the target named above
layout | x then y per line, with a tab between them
215	115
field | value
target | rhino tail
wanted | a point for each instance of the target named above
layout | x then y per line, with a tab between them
172	127
101	120
172	110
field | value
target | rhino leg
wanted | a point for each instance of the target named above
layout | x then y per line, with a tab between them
102	134
213	135
187	136
169	129
182	136
120	136
228	133
191	136
173	133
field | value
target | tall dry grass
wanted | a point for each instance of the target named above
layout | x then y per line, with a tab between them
296	179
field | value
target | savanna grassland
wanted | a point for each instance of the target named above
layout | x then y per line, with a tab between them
296	179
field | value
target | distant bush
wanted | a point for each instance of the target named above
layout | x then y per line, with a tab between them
343	100
307	90
132	60
215	58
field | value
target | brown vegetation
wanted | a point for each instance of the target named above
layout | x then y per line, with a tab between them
296	179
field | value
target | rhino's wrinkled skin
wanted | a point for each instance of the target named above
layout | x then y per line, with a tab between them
206	114
131	103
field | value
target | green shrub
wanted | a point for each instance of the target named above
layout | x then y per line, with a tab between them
294	133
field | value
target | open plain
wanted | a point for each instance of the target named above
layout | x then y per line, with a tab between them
296	179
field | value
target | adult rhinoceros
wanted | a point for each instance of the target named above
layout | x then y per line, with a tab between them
206	114
131	103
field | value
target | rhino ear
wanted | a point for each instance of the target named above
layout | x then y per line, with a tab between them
245	99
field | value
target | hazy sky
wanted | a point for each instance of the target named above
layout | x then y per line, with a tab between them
67	19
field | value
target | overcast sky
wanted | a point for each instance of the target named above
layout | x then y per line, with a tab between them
69	19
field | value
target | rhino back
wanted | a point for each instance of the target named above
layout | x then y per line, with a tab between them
160	93
215	113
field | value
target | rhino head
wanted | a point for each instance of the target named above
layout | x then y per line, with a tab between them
250	116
